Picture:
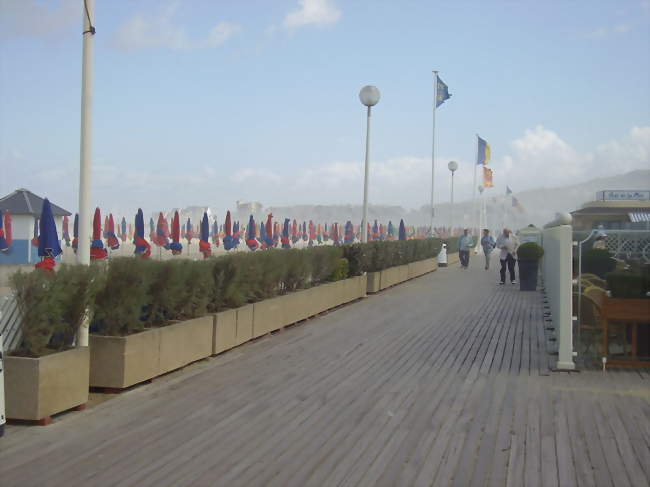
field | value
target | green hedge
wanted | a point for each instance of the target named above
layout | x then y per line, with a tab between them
125	295
377	256
597	261
628	285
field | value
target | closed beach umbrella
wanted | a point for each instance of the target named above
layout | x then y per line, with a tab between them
268	237
375	231
48	240
4	245
285	235
142	247
215	233
391	231
326	234
75	232
319	234
37	227
97	250
152	230
162	232
304	231
236	234
294	232
402	230
66	230
123	233
176	246
112	239
228	242
349	233
335	234
251	241
105	229
189	231
312	233
204	242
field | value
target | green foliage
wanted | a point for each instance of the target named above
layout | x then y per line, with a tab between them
530	251
121	304
376	256
628	285
342	270
598	261
52	306
452	244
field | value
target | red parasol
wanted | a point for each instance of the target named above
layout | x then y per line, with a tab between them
112	239
97	250
176	246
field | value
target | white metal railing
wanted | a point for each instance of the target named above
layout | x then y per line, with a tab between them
9	323
557	241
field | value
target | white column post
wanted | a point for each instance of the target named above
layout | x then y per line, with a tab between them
433	144
83	251
364	220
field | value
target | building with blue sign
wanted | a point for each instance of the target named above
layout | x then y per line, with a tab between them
615	210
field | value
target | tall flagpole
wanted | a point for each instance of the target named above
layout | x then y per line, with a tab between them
474	189
433	143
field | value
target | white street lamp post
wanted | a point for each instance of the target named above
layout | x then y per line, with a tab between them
85	163
453	166
369	96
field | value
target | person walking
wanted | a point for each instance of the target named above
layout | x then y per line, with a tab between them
488	244
508	245
464	245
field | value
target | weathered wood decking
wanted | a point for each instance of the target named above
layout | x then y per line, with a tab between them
443	380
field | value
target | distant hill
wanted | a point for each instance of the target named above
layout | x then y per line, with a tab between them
540	205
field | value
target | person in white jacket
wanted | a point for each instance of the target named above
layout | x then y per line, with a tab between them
508	244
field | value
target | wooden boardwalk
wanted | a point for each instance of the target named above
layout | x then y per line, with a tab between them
443	380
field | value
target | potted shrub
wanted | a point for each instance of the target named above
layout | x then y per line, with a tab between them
528	255
46	375
597	261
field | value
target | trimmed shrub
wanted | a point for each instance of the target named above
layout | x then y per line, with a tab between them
52	307
122	304
627	285
598	261
342	270
530	251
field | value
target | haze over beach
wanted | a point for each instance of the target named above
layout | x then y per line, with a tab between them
206	103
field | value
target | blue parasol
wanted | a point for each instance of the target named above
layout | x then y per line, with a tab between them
142	247
348	238
48	240
204	241
251	241
284	239
402	230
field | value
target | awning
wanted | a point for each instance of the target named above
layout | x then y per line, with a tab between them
639	217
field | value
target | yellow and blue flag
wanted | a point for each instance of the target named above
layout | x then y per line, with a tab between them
483	155
442	92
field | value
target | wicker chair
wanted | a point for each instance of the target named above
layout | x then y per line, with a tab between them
591	327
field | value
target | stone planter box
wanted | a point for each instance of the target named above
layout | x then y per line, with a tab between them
185	342
268	315
120	362
36	388
244	324
378	281
224	336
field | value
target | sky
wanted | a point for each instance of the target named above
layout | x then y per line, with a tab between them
205	102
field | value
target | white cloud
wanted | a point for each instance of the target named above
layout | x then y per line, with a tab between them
258	175
37	19
608	31
541	158
153	31
312	12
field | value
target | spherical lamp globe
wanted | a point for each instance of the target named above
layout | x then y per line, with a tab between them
369	95
453	165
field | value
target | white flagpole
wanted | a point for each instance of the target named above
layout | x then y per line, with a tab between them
474	223
433	143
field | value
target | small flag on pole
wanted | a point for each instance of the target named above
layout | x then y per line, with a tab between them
516	204
484	153
487	178
442	92
508	190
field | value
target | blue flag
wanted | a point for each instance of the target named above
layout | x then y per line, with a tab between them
484	153
442	92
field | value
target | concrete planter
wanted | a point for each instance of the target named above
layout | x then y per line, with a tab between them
244	324
119	362
185	342
386	278
224	336
268	315
36	388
